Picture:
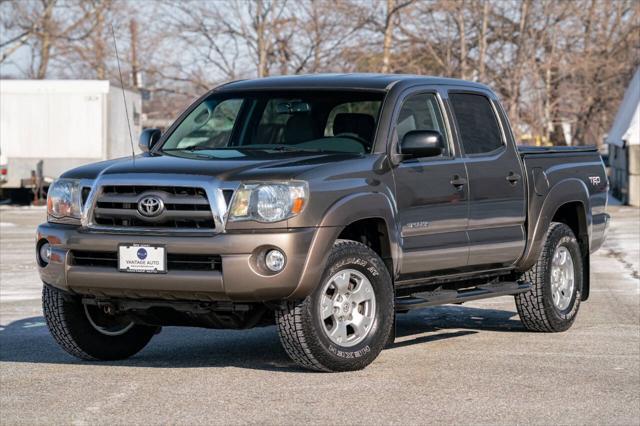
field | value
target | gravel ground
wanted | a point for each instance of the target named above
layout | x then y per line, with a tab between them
470	364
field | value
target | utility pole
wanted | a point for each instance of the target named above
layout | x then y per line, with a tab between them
135	72
388	36
261	43
99	45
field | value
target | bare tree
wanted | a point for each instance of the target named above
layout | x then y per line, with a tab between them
606	47
45	27
321	30
559	67
482	39
392	12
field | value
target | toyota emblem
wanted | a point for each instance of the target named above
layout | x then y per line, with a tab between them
150	206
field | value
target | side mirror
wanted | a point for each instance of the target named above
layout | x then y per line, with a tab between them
422	143
148	138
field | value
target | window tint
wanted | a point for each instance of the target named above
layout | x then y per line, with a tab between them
477	123
421	112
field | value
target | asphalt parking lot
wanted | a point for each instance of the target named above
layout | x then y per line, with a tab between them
470	364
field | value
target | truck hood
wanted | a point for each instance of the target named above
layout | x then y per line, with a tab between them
255	166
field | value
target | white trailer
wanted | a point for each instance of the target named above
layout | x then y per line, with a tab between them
64	123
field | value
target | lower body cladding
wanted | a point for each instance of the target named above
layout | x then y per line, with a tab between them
215	268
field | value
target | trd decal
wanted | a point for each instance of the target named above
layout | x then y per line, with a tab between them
595	180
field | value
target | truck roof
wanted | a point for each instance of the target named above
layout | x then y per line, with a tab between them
355	81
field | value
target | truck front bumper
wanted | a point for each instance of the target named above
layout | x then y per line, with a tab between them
238	278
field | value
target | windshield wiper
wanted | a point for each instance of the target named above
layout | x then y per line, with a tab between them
282	148
197	148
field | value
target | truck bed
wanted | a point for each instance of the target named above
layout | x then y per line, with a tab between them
558	174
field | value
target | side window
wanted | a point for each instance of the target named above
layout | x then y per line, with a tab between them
421	112
477	123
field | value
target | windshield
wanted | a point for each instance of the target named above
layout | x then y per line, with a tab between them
318	121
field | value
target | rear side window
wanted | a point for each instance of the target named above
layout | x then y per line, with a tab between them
477	123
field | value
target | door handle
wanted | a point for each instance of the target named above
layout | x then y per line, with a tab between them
513	178
458	182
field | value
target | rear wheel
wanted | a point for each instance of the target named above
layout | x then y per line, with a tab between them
554	299
87	332
346	322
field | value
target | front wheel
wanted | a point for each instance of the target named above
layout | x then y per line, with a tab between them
344	324
87	332
554	299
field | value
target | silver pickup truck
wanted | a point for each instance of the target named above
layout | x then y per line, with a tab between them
326	204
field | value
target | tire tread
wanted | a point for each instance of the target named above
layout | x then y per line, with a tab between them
293	319
54	314
289	321
530	305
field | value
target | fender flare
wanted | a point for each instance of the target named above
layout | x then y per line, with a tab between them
567	191
349	209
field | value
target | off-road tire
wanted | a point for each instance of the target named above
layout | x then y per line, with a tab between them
68	323
535	307
298	324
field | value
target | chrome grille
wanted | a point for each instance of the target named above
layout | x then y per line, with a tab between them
184	207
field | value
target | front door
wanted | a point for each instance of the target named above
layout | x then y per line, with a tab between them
496	183
431	194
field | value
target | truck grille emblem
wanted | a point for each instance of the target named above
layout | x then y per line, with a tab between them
150	206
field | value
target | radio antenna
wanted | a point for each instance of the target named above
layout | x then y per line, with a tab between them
124	98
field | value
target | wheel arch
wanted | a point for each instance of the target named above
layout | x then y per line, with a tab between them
372	232
368	214
574	215
567	202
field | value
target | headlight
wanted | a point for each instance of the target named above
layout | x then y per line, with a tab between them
268	202
64	201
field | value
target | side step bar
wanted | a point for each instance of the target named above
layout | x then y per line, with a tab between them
443	297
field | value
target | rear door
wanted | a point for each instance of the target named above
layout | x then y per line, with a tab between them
496	184
430	192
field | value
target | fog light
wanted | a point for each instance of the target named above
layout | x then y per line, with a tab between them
274	260
44	253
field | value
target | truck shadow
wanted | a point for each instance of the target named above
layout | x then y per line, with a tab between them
28	341
465	320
